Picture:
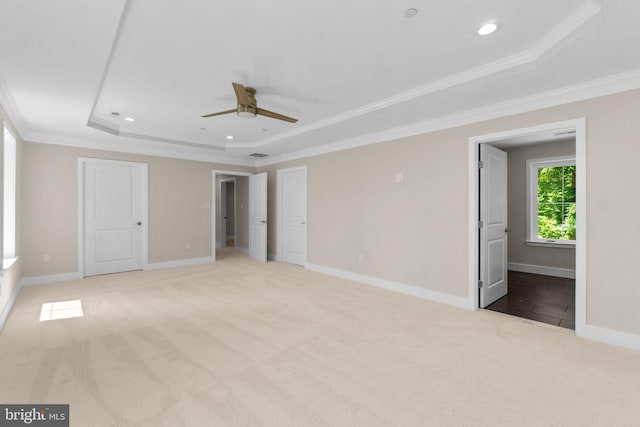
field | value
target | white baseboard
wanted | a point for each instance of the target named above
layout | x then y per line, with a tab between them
178	263
415	291
244	251
540	269
610	336
51	278
7	308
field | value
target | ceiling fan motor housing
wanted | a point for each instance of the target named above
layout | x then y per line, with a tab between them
250	109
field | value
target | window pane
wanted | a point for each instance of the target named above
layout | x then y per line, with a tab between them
550	217
569	183
569	221
550	184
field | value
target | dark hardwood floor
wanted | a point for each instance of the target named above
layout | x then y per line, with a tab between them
542	298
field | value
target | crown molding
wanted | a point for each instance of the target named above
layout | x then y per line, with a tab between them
107	66
601	87
538	49
550	40
567	27
145	148
10	108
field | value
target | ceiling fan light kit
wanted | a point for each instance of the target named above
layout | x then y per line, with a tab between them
248	106
246	111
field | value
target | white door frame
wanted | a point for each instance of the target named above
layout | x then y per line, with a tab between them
579	125
279	213
215	172
82	161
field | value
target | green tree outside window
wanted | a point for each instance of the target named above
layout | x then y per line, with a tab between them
557	203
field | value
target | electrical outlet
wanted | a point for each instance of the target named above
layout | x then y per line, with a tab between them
399	177
46	258
361	257
187	246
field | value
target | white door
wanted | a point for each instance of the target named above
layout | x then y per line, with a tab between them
223	214
258	216
113	215
293	215
493	227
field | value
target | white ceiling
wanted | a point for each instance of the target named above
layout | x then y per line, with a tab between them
353	72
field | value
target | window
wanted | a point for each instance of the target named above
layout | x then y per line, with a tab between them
552	200
9	197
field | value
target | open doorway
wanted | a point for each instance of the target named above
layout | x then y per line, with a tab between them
541	216
230	213
484	268
250	214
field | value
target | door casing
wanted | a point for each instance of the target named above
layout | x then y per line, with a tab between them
577	125
215	172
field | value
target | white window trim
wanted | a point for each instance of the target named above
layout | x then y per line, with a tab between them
532	200
9	196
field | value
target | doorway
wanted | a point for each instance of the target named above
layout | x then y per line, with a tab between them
112	216
521	137
249	210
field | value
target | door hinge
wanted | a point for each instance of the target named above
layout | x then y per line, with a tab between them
480	284
480	164
480	224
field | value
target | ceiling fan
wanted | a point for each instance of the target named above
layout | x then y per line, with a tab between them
248	106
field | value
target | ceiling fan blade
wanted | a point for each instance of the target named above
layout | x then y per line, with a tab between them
267	113
235	110
241	94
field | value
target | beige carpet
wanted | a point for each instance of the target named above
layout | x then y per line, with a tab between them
241	343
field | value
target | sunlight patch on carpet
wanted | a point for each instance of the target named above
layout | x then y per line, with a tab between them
61	310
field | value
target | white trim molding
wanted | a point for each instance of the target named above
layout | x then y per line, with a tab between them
541	269
456	301
613	337
4	315
51	278
178	263
580	126
243	251
215	241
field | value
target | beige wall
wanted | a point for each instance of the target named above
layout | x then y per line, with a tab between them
11	277
415	232
177	190
519	251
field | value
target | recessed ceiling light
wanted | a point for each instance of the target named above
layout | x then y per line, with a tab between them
203	128
130	119
410	13
488	28
230	136
263	130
